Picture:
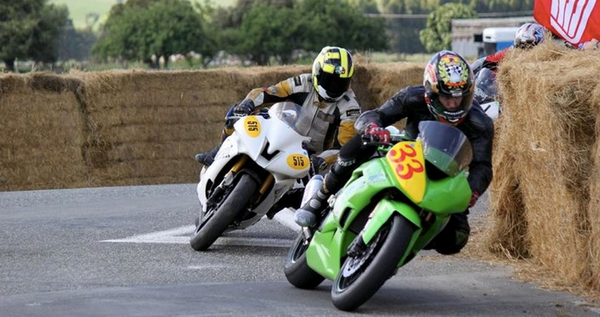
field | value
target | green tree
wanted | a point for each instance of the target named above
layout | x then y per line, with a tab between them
210	44
284	31
268	31
484	6
367	6
29	29
149	29
438	32
45	36
333	22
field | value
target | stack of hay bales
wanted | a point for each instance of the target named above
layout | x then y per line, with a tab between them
137	127
149	125
375	83
545	192
40	132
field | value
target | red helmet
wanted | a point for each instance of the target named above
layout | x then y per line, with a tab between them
448	74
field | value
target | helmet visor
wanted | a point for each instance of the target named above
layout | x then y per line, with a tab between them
333	84
323	93
454	115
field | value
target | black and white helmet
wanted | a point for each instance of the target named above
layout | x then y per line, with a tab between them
529	35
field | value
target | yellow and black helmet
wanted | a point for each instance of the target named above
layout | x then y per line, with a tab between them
331	72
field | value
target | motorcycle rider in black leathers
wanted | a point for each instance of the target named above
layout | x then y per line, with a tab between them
447	96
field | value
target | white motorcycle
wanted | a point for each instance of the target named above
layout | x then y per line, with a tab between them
262	160
486	93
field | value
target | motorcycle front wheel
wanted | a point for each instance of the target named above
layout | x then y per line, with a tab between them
212	225
360	277
296	270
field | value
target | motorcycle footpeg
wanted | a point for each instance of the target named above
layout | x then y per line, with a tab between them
308	233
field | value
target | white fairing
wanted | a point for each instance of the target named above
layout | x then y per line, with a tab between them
273	144
486	92
492	109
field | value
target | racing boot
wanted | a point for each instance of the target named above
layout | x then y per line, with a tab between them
454	236
307	215
310	214
207	158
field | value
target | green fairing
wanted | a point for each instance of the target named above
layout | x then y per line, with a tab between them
367	180
387	208
329	244
436	197
328	247
382	213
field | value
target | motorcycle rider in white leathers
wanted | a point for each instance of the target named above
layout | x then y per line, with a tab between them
329	107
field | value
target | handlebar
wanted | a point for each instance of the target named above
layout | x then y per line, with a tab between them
263	112
395	138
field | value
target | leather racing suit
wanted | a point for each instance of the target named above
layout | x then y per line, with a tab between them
410	103
329	125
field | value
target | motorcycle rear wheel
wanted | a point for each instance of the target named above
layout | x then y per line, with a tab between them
361	277
212	226
296	270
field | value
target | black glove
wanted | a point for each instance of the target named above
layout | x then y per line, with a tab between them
244	108
318	163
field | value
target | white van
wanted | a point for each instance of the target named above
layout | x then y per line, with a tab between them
498	38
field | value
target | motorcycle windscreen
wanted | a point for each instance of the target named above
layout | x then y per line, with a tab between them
485	86
288	112
445	147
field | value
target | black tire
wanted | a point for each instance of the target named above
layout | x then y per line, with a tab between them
296	269
374	267
211	228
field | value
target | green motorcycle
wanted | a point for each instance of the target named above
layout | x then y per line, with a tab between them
390	209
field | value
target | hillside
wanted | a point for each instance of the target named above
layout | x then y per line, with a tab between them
79	9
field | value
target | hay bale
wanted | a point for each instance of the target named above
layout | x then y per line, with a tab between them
132	109
507	235
376	83
41	128
546	97
138	127
593	247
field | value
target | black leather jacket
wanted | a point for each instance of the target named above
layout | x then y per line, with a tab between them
410	103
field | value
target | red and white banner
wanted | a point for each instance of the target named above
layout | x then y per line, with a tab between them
575	21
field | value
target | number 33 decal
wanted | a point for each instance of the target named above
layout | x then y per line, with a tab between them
407	164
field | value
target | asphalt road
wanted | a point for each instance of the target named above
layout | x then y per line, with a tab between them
123	251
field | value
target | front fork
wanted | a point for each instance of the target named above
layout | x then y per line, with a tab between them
225	183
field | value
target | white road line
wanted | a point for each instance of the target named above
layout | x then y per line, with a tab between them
209	266
286	218
174	236
181	235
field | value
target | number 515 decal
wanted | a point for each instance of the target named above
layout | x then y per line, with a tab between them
298	161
